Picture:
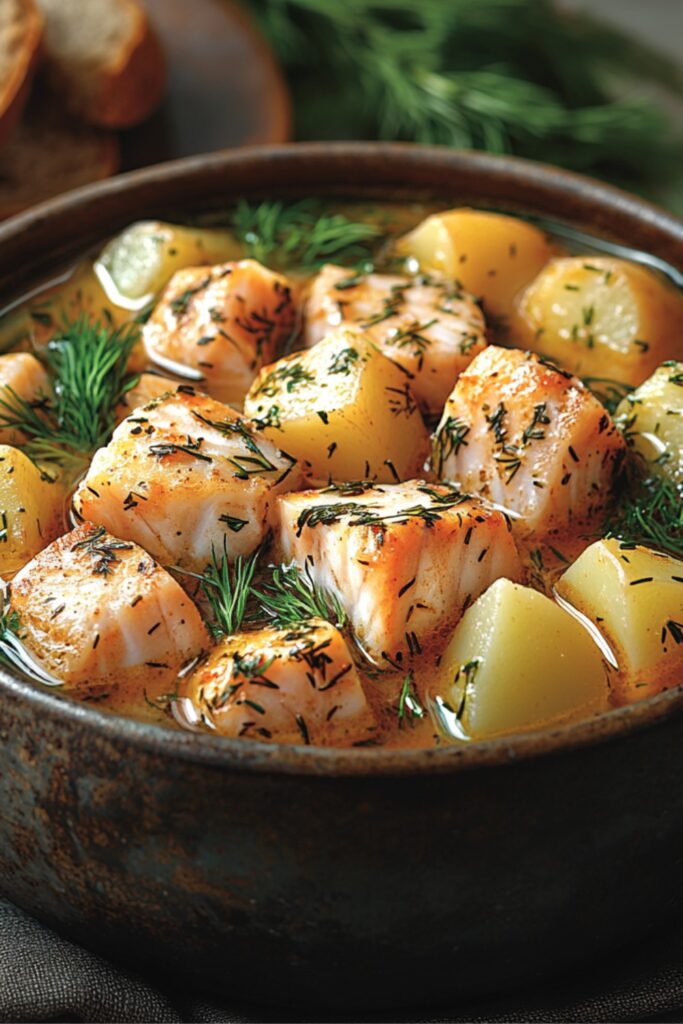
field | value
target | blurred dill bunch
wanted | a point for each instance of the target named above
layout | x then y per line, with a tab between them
508	76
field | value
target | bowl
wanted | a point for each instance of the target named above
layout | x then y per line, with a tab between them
342	878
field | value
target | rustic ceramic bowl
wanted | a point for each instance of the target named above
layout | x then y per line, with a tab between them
359	877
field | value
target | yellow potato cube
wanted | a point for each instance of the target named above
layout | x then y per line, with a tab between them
21	373
602	317
31	510
142	259
343	409
492	255
652	420
635	597
518	661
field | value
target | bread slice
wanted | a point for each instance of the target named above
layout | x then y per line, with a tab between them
106	59
21	30
50	153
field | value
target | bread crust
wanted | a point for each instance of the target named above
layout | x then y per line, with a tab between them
131	90
92	155
16	91
125	91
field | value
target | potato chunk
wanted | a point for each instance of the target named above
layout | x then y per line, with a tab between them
652	420
98	612
296	685
518	661
224	323
31	510
602	317
142	259
428	325
343	409
635	597
492	255
184	476
531	437
403	559
21	373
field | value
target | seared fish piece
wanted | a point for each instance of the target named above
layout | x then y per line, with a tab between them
21	373
184	476
148	387
531	437
96	610
223	322
296	685
405	560
430	326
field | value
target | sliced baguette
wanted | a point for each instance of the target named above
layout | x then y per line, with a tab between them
50	153
105	58
21	30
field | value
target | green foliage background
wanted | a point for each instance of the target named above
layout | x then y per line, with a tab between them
511	76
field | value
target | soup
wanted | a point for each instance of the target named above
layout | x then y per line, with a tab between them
345	474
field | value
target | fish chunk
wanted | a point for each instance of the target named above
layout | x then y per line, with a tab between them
296	685
98	611
148	387
223	323
531	437
185	476
21	373
404	560
429	326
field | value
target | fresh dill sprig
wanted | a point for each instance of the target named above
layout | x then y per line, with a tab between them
515	76
302	234
88	366
291	596
227	586
650	512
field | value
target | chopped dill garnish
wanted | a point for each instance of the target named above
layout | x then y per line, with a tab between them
291	596
649	512
288	377
609	392
88	365
409	707
448	440
302	234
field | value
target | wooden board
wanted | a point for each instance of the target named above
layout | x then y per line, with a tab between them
224	88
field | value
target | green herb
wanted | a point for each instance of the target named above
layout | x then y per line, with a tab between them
650	512
88	364
302	234
227	587
343	361
409	707
289	376
291	597
233	523
517	76
448	440
609	392
255	461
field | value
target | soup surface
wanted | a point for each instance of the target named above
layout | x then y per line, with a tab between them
347	474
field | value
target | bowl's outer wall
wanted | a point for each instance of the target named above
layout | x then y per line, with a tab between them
325	888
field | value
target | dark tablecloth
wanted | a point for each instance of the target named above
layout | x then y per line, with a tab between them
43	977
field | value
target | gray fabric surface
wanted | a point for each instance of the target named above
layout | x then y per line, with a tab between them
43	977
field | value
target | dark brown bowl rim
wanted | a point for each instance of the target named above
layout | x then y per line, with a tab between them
22	233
